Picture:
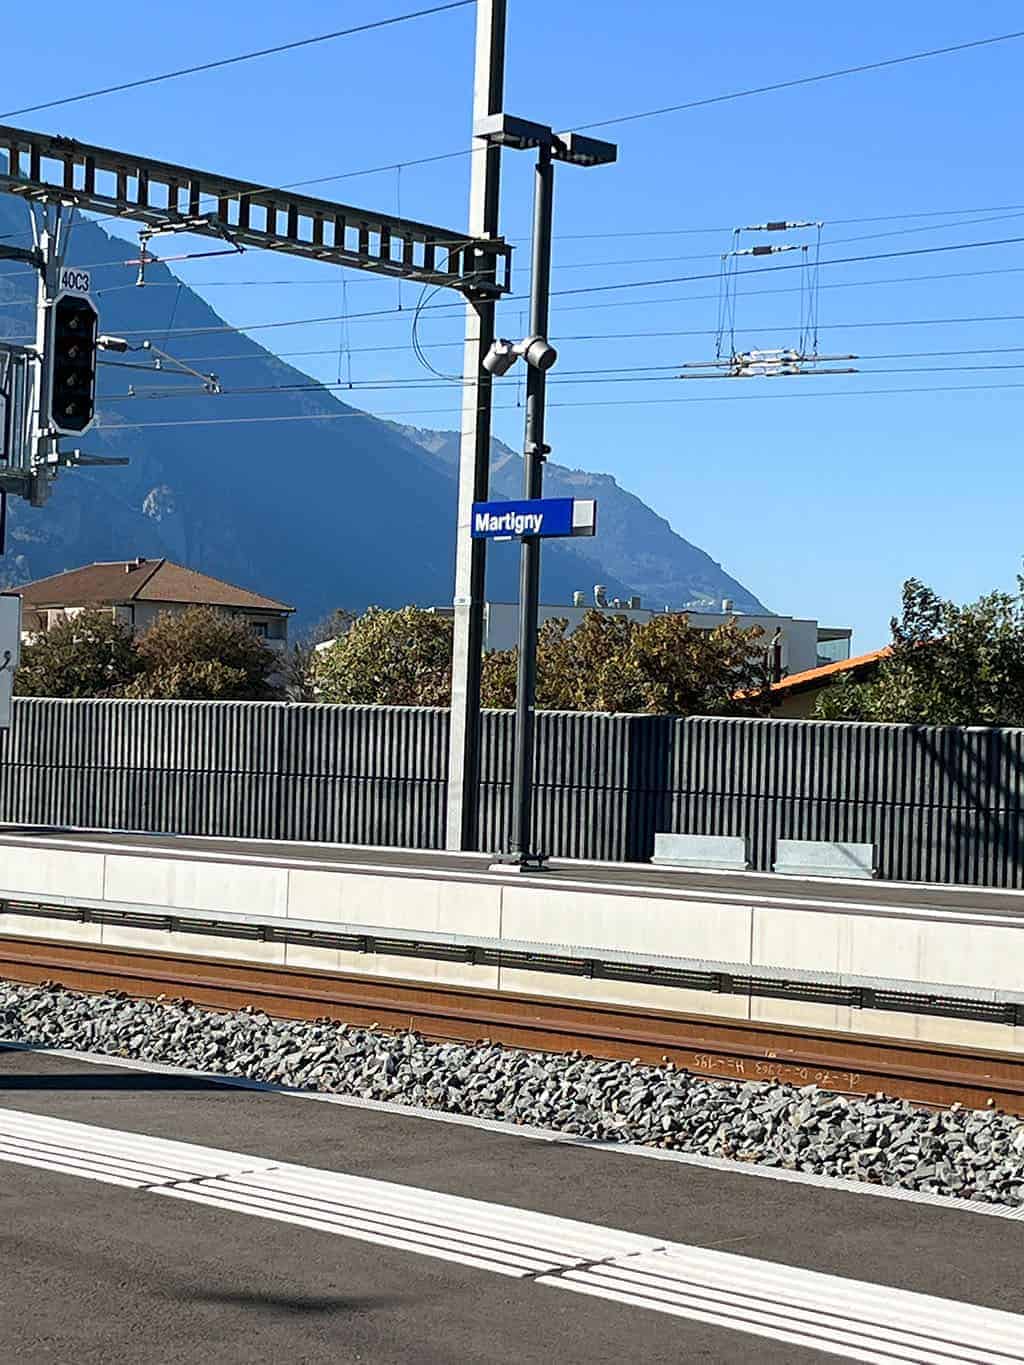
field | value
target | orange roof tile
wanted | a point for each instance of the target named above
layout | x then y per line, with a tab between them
814	677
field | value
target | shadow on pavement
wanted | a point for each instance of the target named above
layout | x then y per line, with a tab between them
299	1303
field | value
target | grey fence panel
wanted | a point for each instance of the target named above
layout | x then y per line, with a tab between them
940	804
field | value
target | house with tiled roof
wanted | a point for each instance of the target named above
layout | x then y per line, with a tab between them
795	696
138	591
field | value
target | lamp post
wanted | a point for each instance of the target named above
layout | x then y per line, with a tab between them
540	355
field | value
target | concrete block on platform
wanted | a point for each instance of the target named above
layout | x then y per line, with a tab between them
246	888
719	852
40	871
821	858
694	929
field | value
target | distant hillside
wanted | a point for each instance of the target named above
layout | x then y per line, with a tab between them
247	487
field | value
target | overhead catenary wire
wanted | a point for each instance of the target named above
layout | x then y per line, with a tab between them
859	69
703	102
452	409
389	315
652	335
600	289
557	267
678	231
580	379
600	123
762	269
832	222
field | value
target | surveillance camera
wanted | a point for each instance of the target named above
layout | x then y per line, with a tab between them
501	357
538	352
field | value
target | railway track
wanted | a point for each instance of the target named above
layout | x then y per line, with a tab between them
732	1049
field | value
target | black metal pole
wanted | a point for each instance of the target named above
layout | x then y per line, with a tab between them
534	454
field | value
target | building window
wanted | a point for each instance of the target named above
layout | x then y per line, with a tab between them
834	650
261	629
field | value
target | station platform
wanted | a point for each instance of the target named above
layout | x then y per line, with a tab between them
668	1260
829	953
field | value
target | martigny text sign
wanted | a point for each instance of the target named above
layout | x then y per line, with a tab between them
534	517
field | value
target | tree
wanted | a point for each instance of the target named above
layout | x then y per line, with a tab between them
88	655
685	671
202	655
947	665
299	666
665	666
608	663
390	658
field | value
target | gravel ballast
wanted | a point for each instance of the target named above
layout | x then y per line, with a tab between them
974	1154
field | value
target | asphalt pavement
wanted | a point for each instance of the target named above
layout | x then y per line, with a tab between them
94	1272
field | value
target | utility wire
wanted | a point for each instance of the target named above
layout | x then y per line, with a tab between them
599	123
701	103
641	336
570	380
829	222
761	269
241	57
395	315
600	288
804	80
452	409
557	267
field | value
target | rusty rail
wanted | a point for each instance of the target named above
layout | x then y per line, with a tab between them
925	1073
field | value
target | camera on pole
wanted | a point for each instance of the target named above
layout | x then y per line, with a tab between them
73	343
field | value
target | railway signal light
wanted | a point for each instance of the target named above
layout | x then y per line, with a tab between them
73	344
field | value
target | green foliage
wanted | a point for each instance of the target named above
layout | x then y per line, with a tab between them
391	658
686	671
846	699
608	663
299	664
88	655
200	654
948	665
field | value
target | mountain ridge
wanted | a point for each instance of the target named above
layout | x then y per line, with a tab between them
286	492
624	522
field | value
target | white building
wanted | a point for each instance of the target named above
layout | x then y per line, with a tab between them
805	644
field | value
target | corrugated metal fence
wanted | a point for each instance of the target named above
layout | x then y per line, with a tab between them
941	804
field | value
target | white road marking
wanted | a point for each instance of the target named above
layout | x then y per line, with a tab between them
849	1318
727	1165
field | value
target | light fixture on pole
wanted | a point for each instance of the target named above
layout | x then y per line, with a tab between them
536	351
524	135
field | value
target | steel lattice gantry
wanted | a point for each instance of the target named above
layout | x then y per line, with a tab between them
170	198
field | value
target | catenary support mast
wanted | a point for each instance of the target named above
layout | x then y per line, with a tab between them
475	449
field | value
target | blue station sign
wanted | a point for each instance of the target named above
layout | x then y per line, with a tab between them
534	517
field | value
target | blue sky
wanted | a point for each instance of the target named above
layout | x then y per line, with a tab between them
820	494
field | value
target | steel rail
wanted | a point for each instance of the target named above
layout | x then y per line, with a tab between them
733	1049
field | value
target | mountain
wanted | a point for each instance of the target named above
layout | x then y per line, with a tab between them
338	510
633	543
